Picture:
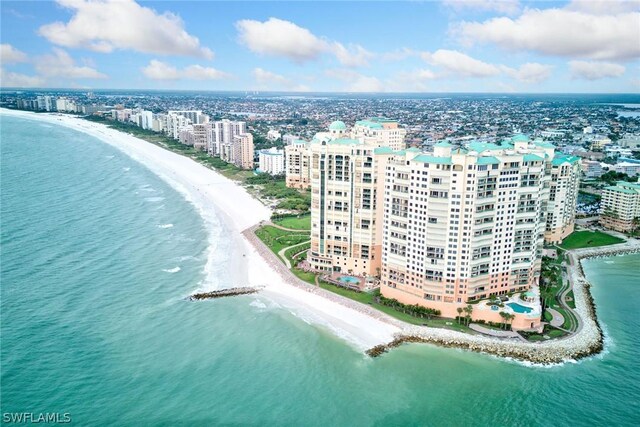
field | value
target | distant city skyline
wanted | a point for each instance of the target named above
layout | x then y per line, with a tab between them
447	46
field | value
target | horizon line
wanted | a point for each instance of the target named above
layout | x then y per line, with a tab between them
4	89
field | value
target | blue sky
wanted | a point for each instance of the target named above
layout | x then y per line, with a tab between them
447	46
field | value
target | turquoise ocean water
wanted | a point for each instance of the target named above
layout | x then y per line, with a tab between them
94	321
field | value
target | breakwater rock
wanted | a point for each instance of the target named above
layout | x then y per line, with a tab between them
224	293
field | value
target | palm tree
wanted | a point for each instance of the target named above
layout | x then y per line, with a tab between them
504	318
510	318
468	309
459	310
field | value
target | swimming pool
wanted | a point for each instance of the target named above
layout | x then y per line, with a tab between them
349	279
519	308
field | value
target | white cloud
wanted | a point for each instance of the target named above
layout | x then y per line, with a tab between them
356	82
592	70
11	55
604	6
10	79
158	70
398	54
354	56
531	72
61	64
269	81
560	32
277	37
460	64
508	7
107	25
411	81
280	38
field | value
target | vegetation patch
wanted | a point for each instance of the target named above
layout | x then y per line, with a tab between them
589	239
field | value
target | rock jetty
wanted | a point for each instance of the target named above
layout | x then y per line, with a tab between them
224	293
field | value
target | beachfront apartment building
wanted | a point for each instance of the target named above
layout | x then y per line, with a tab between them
197	135
222	133
563	197
347	188
379	131
196	116
174	124
243	151
463	224
297	161
620	206
271	161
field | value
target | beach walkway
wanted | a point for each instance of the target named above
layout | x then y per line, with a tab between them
494	332
283	250
558	319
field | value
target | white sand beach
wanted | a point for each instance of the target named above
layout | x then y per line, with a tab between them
210	191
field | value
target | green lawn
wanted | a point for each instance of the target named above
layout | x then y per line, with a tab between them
304	276
277	239
589	239
302	222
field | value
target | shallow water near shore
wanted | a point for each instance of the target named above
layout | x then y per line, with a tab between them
94	321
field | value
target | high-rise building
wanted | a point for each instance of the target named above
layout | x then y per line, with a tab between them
563	197
222	133
201	136
243	152
298	156
196	116
347	181
271	161
466	224
381	132
620	206
46	103
175	123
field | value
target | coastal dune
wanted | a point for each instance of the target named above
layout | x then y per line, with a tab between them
219	199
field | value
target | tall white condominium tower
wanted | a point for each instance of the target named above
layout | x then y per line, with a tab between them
196	116
466	224
297	159
563	197
243	151
222	133
347	184
621	206
379	131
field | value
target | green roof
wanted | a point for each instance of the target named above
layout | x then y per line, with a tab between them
370	124
488	160
443	144
618	189
337	125
425	158
558	160
544	144
383	150
413	150
484	146
520	138
533	158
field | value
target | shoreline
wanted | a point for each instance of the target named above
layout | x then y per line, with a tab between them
222	202
237	211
